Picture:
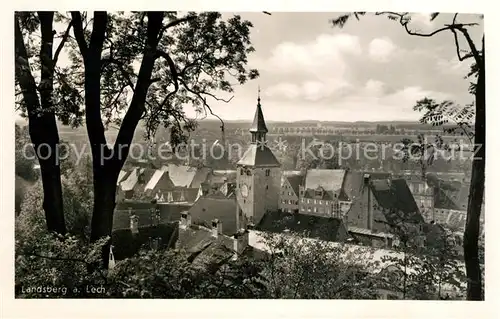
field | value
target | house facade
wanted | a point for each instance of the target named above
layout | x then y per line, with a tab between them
321	192
291	182
381	205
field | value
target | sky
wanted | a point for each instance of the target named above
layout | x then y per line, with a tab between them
371	70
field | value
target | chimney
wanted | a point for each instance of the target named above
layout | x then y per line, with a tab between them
216	228
240	242
185	219
134	224
366	179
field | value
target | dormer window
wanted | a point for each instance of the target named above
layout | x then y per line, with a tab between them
318	192
249	172
241	171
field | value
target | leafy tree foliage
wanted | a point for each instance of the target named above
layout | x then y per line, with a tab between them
474	51
25	155
301	268
171	274
126	69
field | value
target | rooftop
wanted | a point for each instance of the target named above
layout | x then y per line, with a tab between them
208	208
259	155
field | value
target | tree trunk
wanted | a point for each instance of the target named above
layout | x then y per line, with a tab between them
476	194
108	162
42	122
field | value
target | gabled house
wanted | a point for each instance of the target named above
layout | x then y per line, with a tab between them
175	183
222	183
320	194
291	181
135	183
423	193
381	206
144	224
208	231
450	204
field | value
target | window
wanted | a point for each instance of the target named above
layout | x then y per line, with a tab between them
268	172
267	187
315	209
308	209
303	209
321	202
309	201
315	202
241	171
302	200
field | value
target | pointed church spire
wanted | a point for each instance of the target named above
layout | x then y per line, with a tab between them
258	125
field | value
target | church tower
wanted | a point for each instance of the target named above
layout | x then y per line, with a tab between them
258	175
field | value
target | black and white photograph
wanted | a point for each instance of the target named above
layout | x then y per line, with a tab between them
249	155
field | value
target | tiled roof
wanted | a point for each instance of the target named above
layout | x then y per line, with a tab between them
311	193
201	176
395	196
314	226
353	183
208	208
180	175
154	179
168	213
295	181
452	195
122	176
259	155
329	179
125	244
132	182
443	201
129	183
196	238
219	177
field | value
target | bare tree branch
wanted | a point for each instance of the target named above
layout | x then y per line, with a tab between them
61	45
204	100
403	20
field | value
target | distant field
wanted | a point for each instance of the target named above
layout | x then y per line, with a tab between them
375	138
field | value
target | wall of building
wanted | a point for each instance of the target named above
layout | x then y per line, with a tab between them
263	191
267	191
316	207
289	201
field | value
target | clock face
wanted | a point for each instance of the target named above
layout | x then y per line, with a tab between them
244	190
